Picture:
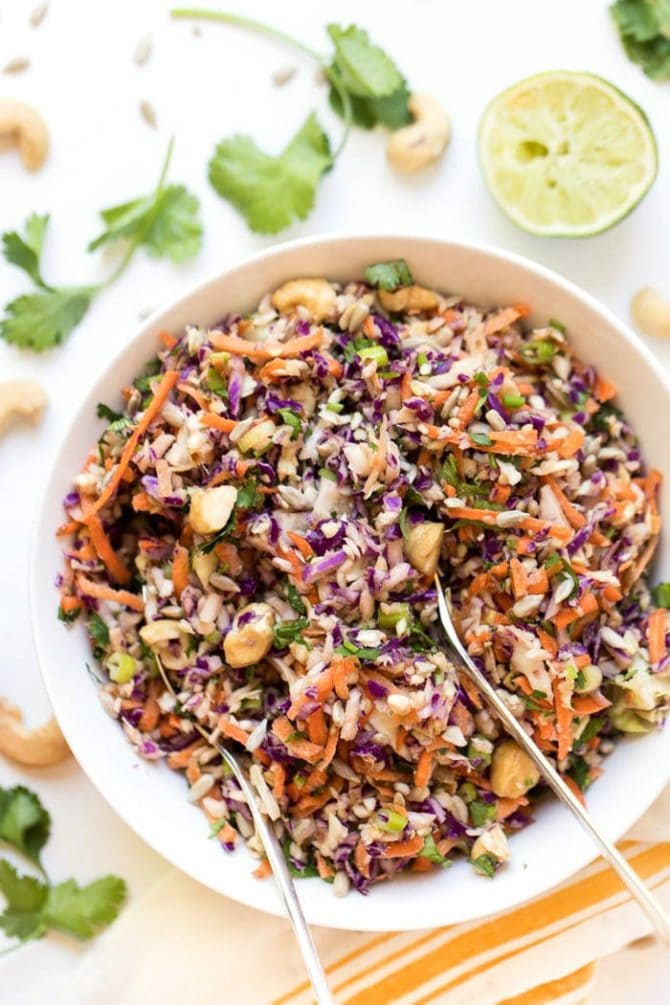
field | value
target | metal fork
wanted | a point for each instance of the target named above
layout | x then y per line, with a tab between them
643	896
275	857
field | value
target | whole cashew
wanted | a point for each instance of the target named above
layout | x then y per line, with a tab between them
651	313
317	296
424	141
22	126
408	298
38	747
24	399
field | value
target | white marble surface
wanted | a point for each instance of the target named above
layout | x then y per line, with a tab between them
83	78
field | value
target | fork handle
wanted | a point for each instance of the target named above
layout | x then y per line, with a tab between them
647	901
283	879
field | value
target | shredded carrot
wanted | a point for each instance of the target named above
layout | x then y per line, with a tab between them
342	669
227	834
101	592
66	529
466	412
656	635
574	788
335	368
69	603
519	578
603	389
571	443
237	346
168	340
506	806
422	865
301	543
502	319
181	568
331	748
523	310
563	723
105	552
233	731
160	397
406	386
478	584
296	346
403	849
278	779
325	871
572	515
424	769
213	421
538	582
362	859
263	870
588	704
143	503
530	523
316	728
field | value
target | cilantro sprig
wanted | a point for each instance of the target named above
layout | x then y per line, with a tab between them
34	905
165	223
644	27
366	88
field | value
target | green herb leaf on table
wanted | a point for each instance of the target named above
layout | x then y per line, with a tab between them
271	192
661	595
26	897
83	910
25	251
166	223
40	321
33	907
377	90
24	822
644	27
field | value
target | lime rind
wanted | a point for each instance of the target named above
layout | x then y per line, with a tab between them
528	137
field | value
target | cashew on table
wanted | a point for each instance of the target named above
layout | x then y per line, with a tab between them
23	127
36	748
21	399
423	141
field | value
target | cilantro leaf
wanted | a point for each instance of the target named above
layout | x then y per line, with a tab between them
286	632
644	27
34	907
292	419
99	633
389	275
391	111
83	910
272	192
295	599
24	823
661	595
26	251
42	320
166	223
105	412
364	69
26	896
485	865
430	852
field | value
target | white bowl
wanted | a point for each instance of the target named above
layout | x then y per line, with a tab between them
151	798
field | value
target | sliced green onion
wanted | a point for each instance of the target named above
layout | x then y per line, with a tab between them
661	595
377	353
467	792
390	820
389	619
481	812
290	418
213	638
330	475
513	400
334	406
121	667
558	325
539	351
485	865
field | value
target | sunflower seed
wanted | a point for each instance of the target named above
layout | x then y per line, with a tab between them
283	75
38	15
17	65
143	50
148	114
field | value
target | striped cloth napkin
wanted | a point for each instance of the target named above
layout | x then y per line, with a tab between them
180	943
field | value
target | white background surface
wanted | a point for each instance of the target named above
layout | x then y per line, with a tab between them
83	79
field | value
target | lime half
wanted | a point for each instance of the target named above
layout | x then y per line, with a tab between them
566	154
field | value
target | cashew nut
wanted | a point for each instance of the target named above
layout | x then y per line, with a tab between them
24	399
38	747
423	545
158	635
512	771
491	842
22	126
250	641
211	508
317	296
422	142
204	566
258	438
408	298
651	313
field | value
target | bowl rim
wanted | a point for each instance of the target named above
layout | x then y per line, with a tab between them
328	239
